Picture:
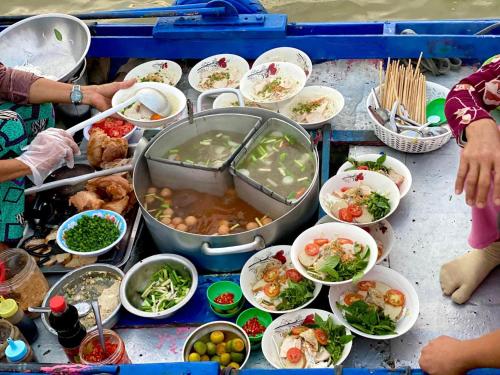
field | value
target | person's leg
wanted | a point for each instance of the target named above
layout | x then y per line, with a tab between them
461	277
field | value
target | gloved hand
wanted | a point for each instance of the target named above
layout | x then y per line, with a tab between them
50	150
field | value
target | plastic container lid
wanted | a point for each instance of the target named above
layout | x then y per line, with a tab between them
57	304
8	307
16	350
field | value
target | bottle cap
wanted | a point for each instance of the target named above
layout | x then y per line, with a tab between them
16	350
8	307
57	304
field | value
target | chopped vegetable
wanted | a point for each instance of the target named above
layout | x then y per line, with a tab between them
253	327
378	205
91	233
296	294
367	318
225	299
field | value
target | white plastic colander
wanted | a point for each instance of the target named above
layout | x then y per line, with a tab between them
406	143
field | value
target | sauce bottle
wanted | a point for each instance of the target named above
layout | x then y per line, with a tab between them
18	351
9	310
70	332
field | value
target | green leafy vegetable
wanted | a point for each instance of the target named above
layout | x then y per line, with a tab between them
165	290
332	269
296	294
368	318
91	233
376	166
58	35
377	205
328	266
337	337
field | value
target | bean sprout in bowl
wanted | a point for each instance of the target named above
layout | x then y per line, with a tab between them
314	106
334	253
158	286
359	197
162	71
141	116
272	82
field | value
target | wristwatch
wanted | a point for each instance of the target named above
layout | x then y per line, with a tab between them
76	95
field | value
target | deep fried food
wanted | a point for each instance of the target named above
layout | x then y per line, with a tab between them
118	206
86	200
104	149
114	187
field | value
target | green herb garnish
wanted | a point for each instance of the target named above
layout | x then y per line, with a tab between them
296	294
58	35
368	318
307	107
376	166
378	205
91	233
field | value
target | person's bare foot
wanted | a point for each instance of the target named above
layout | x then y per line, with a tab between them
460	277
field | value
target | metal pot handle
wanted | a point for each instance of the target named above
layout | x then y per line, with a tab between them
257	244
203	95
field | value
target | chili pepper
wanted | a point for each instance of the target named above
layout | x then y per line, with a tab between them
96	354
253	327
225	299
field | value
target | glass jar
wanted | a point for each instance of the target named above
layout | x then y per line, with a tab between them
91	352
21	279
8	330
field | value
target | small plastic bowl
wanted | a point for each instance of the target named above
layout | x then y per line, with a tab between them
263	317
221	287
228	314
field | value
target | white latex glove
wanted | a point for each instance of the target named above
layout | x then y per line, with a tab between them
50	150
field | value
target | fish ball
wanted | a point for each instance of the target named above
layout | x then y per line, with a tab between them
177	220
168	212
166	220
166	192
266	220
223	229
182	227
191	221
252	225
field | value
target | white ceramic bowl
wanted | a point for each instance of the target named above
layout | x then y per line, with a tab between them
139	276
392	279
287	54
72	221
175	97
229	100
381	231
376	181
250	275
309	93
332	231
273	70
207	328
283	324
236	65
390	162
171	71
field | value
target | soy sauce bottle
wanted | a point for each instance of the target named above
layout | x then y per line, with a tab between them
9	310
70	332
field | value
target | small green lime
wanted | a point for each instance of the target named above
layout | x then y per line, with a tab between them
237	357
211	348
200	347
234	365
215	358
225	358
229	346
217	337
238	345
194	357
205	358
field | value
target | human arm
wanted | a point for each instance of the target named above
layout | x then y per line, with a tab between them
448	356
11	169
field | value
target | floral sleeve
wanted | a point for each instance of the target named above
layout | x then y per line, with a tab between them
473	97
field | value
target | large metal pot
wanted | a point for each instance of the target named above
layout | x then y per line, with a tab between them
56	44
229	252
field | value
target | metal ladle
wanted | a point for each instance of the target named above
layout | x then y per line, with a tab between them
152	99
100	329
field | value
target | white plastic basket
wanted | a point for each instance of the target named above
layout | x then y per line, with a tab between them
405	143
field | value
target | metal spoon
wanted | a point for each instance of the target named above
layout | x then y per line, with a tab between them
100	329
152	99
83	309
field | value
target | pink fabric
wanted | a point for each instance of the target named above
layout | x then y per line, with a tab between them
484	224
15	84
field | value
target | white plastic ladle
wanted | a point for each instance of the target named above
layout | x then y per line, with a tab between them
152	99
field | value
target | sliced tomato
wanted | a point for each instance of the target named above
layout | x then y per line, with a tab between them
156	116
344	241
394	297
293	275
271	275
344	189
321	241
272	289
362	168
365	285
298	330
350	298
294	355
345	215
321	336
309	320
300	193
312	249
355	210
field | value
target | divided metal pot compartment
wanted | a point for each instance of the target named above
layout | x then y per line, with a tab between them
181	175
229	252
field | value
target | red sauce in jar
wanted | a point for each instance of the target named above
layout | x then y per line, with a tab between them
96	353
253	327
113	127
225	299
